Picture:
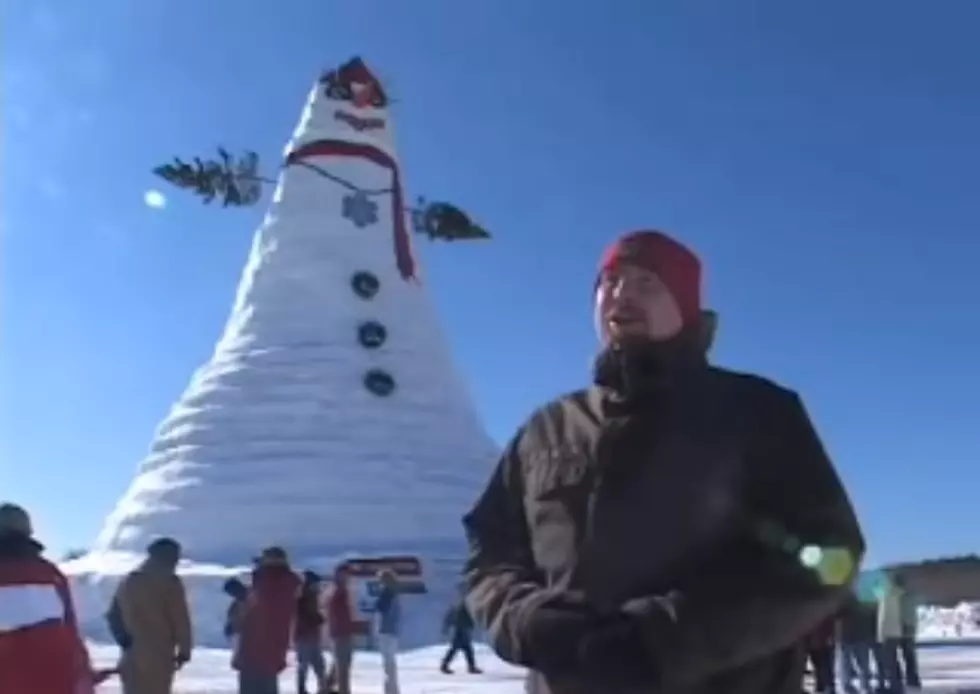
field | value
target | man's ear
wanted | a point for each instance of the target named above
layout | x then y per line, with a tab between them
709	325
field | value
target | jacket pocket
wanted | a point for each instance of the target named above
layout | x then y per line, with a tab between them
558	487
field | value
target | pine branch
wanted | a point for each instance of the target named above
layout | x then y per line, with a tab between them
237	182
444	222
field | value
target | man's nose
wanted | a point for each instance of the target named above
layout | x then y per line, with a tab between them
623	289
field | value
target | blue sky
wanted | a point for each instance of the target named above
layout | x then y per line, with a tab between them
821	157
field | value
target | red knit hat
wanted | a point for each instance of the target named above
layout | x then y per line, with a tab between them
674	263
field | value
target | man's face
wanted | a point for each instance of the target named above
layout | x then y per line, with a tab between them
633	302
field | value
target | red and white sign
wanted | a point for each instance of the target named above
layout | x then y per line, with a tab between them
403	566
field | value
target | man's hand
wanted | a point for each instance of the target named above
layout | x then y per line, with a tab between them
631	645
657	617
554	630
181	660
616	652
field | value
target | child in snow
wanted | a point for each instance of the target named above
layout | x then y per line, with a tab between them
238	592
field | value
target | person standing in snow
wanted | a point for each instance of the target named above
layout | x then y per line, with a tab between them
388	609
150	621
340	622
892	681
308	635
458	624
41	648
266	626
858	635
238	592
910	630
821	649
676	527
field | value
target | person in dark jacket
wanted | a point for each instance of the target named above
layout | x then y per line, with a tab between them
821	649
458	624
858	634
677	527
238	592
910	628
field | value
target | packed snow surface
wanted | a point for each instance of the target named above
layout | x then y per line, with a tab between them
953	669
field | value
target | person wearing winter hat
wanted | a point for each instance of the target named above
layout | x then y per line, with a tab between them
647	533
267	625
149	618
41	647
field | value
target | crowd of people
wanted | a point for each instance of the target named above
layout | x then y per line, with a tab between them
276	611
869	646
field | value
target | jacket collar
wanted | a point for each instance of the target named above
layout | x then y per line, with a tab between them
19	547
643	372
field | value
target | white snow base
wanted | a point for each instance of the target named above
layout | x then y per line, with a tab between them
944	670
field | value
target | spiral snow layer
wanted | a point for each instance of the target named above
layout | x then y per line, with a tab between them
277	440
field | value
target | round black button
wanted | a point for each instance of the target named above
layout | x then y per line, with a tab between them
372	334
365	284
379	382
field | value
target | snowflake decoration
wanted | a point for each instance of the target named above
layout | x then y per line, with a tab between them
360	209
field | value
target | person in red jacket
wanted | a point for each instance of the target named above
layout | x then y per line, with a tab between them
266	625
41	649
340	621
308	635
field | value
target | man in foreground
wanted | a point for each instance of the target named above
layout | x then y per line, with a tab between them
676	528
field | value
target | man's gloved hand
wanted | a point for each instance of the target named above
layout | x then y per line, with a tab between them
616	651
657	616
631	645
552	631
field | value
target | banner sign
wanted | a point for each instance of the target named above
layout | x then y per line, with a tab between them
364	584
369	567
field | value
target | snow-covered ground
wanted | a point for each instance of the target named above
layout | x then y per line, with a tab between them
948	669
955	623
209	673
